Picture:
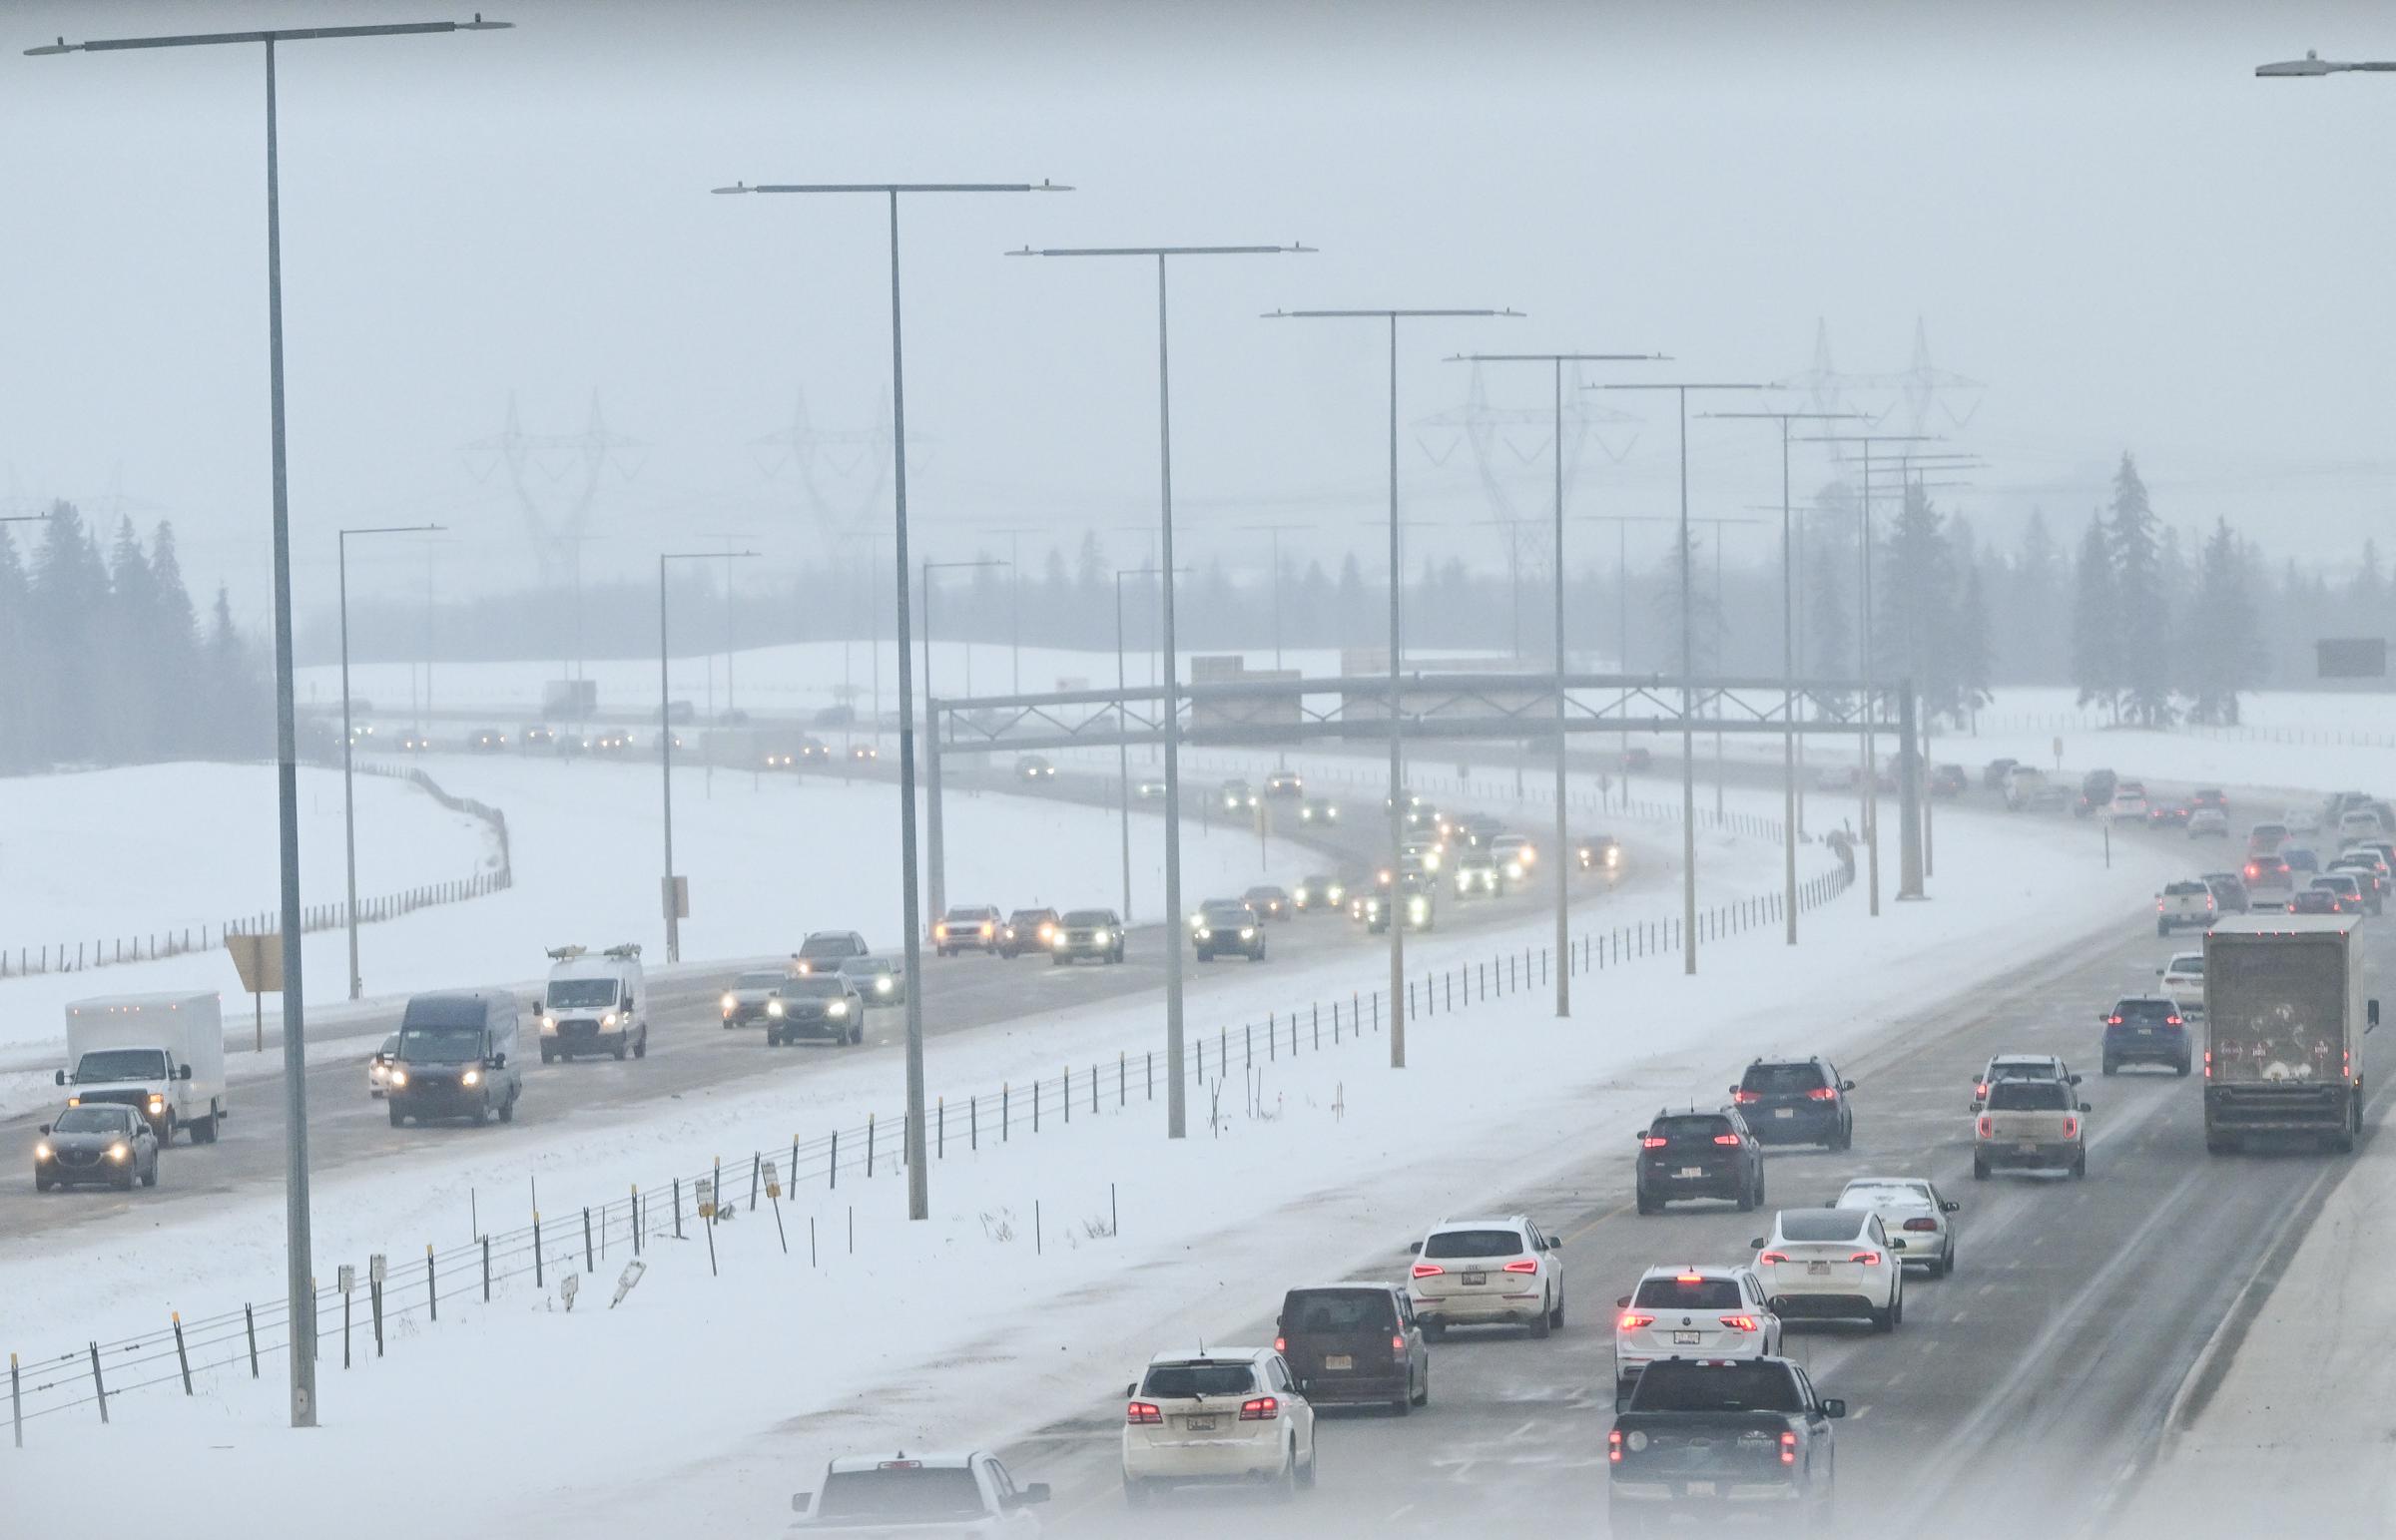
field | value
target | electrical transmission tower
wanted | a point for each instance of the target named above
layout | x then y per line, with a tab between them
571	465
828	461
1932	400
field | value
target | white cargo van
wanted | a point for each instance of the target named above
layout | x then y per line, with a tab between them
595	1004
161	1054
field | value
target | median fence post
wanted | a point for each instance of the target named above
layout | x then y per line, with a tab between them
16	1405
97	1386
250	1327
588	1265
487	1299
539	1281
183	1358
432	1292
869	1146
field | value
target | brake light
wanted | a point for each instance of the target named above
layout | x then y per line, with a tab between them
1427	1270
1822	1094
1745	1097
1632	1321
1988	1127
1688	1278
1767	1258
2173	1021
2158	906
1614	1446
1741	1323
2070	1128
1788	1448
1980	1088
1923	1222
1524	1265
1263	1409
1654	1142
1142	1412
1281	1344
2208	1064
2113	1020
1731	1140
1398	1345
1868	1259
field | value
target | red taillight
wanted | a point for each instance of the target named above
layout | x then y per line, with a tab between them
1524	1265
1741	1323
1281	1344
1652	1142
2112	1021
1988	1128
1923	1222
1731	1140
1398	1345
1142	1412
1427	1270
2070	1128
1980	1088
1822	1094
1688	1278
2208	1064
1632	1321
1788	1448
1745	1097
1767	1258
2173	1021
2158	906
1868	1259
1614	1446
1263	1409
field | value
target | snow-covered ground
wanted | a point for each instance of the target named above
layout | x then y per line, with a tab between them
1323	1157
768	860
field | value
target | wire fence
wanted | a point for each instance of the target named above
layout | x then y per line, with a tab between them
78	956
222	1349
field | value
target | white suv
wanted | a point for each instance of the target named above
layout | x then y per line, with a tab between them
1833	1264
1227	1415
2183	981
1691	1313
2019	1066
1488	1272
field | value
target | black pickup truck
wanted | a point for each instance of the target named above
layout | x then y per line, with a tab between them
1709	1438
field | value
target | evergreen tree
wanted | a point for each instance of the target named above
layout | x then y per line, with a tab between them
19	733
175	636
1355	605
1971	660
237	723
2224	652
2142	632
67	601
2032	644
2095	623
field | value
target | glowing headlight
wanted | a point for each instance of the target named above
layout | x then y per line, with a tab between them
840	1008
549	1022
882	984
729	1003
117	1151
398	1077
1334	893
1247	932
1057	940
773	1007
1205	934
1614	858
41	1152
607	1020
1416	909
158	1104
1514	870
470	1078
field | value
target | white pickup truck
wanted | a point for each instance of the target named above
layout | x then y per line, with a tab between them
2030	1124
161	1054
2190	903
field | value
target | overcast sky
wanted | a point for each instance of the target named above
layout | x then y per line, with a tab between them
2097	213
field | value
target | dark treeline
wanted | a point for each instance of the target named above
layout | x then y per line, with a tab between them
103	660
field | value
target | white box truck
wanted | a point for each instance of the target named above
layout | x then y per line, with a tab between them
2285	1017
161	1054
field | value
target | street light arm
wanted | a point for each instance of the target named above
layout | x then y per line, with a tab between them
1380	314
276	34
897	187
1162	250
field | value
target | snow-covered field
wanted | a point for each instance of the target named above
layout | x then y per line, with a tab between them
768	860
1331	1156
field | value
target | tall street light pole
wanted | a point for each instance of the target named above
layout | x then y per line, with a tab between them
1689	733
1560	853
298	1261
1788	655
1177	1077
1397	809
1717	523
918	1190
349	797
1014	603
1621	523
935	854
1122	741
665	737
1275	530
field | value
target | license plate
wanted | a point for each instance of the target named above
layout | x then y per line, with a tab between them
1475	1279
1339	1361
1201	1424
1684	1338
1817	1270
2027	1147
1701	1490
1692	1171
1784	1111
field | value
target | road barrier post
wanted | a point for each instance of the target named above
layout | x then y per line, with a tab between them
97	1385
588	1265
432	1292
538	1281
183	1358
16	1405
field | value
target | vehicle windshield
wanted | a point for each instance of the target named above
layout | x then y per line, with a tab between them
1475	1243
1678	1386
575	994
1688	1292
1782	1079
967	917
1191	1379
2187	890
391	1045
1226	914
903	1496
123	1064
1820	1224
1697	1128
816	987
1086	918
826	946
93	1120
2030	1096
763	978
2021	1069
2145	1010
1884	1195
1022	917
440	1045
1329	1311
2188	963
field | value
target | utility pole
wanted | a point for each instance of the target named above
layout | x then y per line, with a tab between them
1275	530
348	739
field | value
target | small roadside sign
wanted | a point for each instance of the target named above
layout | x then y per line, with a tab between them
258	960
673	897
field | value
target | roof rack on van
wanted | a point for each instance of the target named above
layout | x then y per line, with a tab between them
629	952
566	953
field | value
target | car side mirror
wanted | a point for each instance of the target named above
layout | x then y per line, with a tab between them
2071	1080
2158	974
1415	1248
498	1061
1846	1085
1833	1408
1951	1206
1735	1090
1035	1492
1131	1390
46	1132
1622	1304
1555	1242
2370	1014
58	1077
2084	1107
800	1501
1756	1244
1896	1246
185	1073
1977	1105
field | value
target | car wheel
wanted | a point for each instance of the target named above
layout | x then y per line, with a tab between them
1305	1473
150	1176
125	1182
621	1050
640	1047
2080	1165
1979	1169
1884	1321
1555	1318
41	1184
1285	1487
1538	1324
1434	1331
549	1054
1056	962
1745	1198
1423	1392
507	1108
1404	1404
1946	1262
1759	1187
398	1118
1897	1308
2112	1066
1646	1204
2180	1069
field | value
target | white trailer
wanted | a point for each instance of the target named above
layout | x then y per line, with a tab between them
161	1054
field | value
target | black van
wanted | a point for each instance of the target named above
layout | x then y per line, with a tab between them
456	1058
1354	1343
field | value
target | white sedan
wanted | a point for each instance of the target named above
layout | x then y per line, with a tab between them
2183	981
1692	1312
1911	1210
1232	1415
1832	1264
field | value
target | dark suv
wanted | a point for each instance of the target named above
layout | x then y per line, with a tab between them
1796	1102
1027	930
1227	926
1695	1154
2145	1029
1354	1343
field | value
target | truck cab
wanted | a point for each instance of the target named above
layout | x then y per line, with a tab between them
594	1004
161	1054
